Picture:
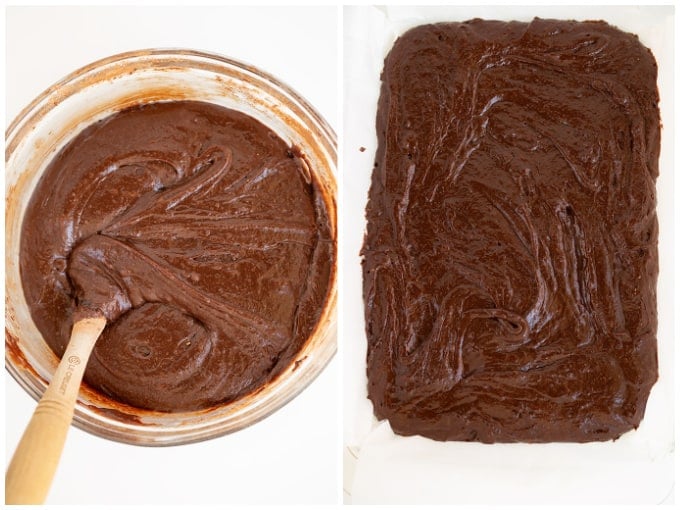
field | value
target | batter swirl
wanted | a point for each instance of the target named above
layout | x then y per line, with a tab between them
200	235
510	261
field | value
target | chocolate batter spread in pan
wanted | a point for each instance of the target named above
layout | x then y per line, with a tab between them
198	233
510	262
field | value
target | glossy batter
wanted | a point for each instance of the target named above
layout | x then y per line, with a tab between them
510	262
198	233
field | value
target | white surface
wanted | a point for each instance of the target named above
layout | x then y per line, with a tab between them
290	457
638	468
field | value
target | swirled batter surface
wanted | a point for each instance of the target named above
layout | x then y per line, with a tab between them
199	234
510	262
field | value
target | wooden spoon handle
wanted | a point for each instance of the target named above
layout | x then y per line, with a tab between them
35	460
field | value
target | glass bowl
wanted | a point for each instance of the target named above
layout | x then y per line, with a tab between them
92	93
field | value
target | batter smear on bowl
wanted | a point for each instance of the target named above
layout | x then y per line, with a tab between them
200	234
510	262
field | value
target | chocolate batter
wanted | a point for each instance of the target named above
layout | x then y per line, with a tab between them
510	262
198	233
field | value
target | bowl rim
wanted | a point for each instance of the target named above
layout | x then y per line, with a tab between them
110	428
29	111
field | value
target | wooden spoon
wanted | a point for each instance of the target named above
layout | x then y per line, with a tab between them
35	460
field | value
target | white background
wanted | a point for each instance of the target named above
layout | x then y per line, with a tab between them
290	457
382	467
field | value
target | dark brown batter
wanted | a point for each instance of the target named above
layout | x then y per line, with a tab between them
198	233
510	262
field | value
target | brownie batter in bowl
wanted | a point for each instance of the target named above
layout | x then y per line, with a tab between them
510	262
191	200
202	238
